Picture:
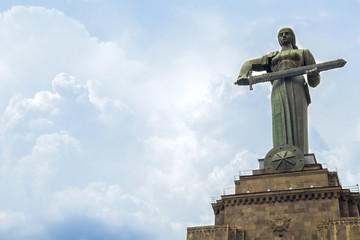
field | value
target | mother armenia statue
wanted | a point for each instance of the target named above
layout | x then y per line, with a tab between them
289	96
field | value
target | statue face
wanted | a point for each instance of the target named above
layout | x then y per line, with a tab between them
285	37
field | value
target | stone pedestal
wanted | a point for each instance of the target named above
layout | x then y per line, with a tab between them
308	204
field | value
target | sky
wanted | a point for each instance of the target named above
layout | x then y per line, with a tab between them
120	119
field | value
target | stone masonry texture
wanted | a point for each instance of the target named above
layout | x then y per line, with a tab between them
309	204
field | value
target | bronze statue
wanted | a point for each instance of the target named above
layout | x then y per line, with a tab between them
289	96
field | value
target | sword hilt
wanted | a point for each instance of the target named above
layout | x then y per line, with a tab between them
251	82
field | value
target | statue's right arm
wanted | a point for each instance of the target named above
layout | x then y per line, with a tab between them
257	64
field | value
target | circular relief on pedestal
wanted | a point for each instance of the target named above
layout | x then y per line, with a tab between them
280	223
284	158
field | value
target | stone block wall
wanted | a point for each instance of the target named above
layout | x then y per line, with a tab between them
285	181
285	216
224	232
285	206
339	229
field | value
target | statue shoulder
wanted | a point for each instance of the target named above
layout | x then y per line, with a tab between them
266	59
272	54
306	53
308	57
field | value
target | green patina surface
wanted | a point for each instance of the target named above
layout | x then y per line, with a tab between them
289	96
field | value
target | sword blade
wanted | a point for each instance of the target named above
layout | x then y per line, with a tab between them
320	67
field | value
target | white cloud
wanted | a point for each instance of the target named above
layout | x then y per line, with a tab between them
45	107
68	87
18	107
115	141
43	161
190	160
111	110
39	123
38	43
16	225
107	204
343	158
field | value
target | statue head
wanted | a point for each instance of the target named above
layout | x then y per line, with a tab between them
287	36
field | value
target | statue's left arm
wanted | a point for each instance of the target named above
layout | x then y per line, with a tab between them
313	77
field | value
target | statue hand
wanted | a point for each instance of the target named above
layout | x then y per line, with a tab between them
313	77
313	71
242	80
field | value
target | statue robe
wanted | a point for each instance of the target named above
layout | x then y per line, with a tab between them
290	98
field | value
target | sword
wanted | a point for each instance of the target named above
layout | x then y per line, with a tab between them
251	80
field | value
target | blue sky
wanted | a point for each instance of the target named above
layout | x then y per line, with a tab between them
120	119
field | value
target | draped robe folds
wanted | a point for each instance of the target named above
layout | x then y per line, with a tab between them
289	96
